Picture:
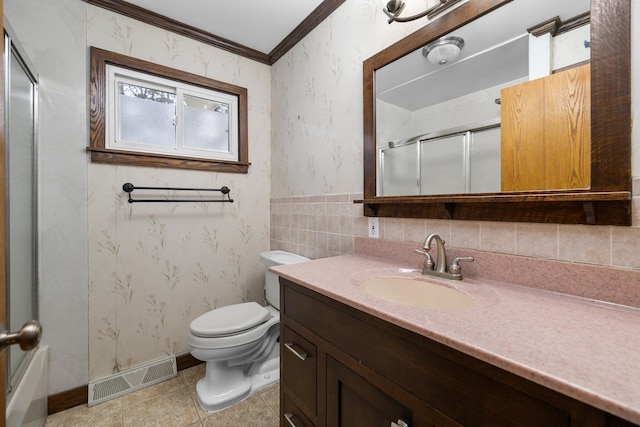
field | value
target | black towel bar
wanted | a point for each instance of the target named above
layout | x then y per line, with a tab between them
129	187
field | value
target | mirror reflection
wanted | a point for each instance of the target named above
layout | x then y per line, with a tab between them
500	104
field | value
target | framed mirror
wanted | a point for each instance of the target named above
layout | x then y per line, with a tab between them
602	195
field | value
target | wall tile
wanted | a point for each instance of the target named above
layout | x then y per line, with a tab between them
440	227
635	210
333	224
320	235
537	240
498	237
391	228
360	225
624	248
333	243
465	234
636	186
346	224
587	244
414	230
322	223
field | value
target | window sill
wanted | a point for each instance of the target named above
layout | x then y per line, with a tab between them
101	155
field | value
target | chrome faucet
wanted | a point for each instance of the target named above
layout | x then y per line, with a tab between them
439	268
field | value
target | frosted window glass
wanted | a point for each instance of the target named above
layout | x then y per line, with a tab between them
206	124
147	115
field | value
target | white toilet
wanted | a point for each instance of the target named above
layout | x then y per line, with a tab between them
239	343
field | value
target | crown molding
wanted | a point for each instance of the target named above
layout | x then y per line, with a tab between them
144	15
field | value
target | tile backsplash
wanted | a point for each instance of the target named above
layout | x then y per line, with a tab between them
320	226
317	226
597	262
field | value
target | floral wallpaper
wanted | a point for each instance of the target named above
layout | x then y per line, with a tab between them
317	101
155	267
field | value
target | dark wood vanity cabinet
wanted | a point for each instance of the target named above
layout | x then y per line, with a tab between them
343	367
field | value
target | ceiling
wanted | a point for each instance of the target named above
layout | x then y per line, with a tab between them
258	24
260	30
487	59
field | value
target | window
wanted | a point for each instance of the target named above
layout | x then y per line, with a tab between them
150	115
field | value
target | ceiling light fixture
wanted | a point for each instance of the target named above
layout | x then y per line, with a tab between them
394	8
444	50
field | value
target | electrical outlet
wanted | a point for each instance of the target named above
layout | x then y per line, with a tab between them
374	228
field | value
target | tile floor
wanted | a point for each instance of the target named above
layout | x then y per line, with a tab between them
172	403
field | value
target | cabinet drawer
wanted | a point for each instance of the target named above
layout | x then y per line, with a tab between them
299	361
292	416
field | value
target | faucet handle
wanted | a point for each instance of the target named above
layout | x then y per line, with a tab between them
422	251
455	268
428	262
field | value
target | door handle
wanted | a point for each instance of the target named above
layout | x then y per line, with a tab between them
28	336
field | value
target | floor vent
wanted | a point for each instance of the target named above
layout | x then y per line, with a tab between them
131	380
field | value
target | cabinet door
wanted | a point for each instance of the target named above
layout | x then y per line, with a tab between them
567	122
546	132
353	401
522	139
374	401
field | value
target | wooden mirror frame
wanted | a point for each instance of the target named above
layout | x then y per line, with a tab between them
607	202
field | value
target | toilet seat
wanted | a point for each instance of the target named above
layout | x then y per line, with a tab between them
229	320
255	320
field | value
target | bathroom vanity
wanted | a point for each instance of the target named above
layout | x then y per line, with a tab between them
350	359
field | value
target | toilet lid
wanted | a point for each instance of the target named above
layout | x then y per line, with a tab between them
229	319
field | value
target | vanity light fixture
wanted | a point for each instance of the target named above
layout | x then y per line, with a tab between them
394	8
444	50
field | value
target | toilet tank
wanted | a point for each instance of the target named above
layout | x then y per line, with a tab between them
271	283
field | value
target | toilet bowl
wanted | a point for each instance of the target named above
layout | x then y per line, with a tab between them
239	343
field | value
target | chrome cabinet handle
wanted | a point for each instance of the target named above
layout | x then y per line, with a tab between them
289	418
28	336
301	356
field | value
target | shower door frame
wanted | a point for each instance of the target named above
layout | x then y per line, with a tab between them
3	300
15	52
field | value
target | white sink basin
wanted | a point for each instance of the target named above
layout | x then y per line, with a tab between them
417	293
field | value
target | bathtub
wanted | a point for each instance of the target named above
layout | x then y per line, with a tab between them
28	405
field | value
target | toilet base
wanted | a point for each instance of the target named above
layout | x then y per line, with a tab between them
212	402
268	375
237	386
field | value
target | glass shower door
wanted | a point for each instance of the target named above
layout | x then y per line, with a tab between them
20	197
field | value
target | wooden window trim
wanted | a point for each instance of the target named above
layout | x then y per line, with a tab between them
97	116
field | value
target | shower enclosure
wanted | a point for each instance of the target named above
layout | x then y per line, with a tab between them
26	387
445	162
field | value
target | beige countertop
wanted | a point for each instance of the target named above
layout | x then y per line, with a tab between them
585	349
